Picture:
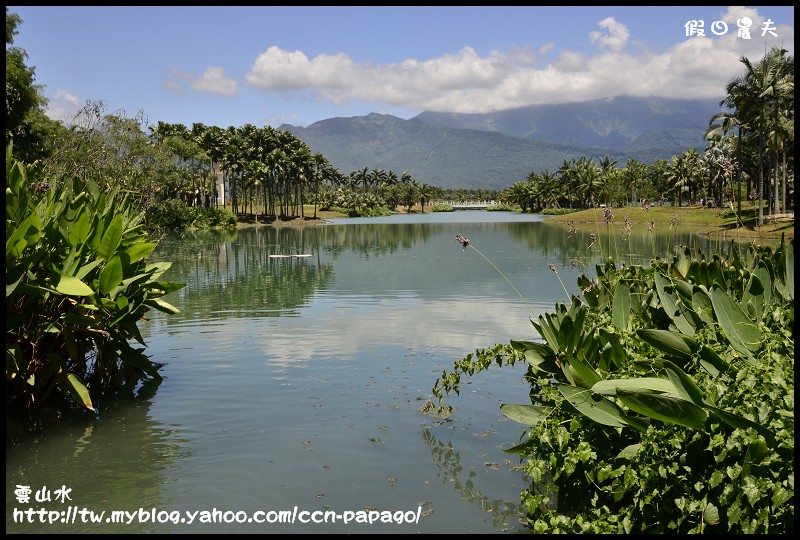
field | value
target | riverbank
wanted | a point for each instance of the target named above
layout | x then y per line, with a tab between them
712	221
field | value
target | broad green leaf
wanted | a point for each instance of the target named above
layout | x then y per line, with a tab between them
161	305
111	275
593	406
135	358
537	355
672	305
549	332
79	233
583	375
86	268
711	514
665	408
77	389
73	286
140	250
630	451
684	385
743	335
525	414
157	269
609	387
621	306
165	287
682	263
11	286
666	341
712	362
701	304
613	352
524	448
753	297
111	238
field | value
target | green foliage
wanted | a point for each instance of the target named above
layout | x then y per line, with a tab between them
663	402
77	284
550	211
175	215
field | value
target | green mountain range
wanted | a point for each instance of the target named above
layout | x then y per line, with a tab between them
494	150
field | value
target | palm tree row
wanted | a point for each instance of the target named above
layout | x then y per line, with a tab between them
759	127
754	142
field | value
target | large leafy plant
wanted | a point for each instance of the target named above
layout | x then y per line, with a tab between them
77	285
662	401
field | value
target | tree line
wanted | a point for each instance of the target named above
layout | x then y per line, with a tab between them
272	173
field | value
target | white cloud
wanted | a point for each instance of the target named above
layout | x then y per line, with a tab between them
63	106
214	81
616	37
697	67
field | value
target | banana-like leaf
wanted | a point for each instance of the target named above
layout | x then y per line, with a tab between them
582	374
672	305
701	304
73	286
545	328
538	355
79	231
140	250
111	238
621	306
682	263
73	384
609	387
668	342
712	362
158	268
753	297
111	275
162	306
594	406
666	408
684	385
525	414
743	335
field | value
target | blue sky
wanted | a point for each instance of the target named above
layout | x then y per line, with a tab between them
230	66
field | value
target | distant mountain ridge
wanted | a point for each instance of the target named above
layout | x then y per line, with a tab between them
494	150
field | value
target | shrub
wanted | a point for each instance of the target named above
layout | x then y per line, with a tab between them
77	284
663	402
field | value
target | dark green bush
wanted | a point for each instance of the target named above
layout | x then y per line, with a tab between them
77	284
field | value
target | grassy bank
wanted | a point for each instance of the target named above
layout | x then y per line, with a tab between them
711	221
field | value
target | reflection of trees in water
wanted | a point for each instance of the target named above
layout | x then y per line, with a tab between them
505	514
116	462
586	244
373	239
243	271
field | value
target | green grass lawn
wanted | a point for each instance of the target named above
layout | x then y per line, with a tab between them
711	220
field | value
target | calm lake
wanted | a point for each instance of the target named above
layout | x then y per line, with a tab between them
294	375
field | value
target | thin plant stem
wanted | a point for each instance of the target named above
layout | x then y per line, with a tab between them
504	277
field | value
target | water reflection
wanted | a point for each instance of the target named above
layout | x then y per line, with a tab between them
506	515
126	451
